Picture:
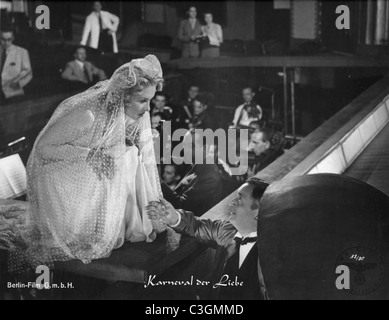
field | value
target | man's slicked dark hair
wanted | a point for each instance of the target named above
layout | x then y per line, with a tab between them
260	187
202	98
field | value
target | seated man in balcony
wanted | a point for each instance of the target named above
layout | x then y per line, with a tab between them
82	71
235	241
15	69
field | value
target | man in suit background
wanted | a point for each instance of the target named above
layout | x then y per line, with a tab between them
234	240
16	70
189	34
81	71
101	26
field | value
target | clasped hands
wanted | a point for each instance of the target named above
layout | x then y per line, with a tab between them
163	212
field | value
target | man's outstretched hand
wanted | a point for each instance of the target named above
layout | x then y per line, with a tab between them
162	211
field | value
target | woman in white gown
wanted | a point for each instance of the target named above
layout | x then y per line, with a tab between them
92	171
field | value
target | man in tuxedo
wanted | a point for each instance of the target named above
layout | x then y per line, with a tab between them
15	69
234	241
184	112
101	26
201	117
82	71
189	33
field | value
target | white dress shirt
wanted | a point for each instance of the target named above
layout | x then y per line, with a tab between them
91	32
80	63
104	26
245	249
245	120
192	22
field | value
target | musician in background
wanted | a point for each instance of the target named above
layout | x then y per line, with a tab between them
268	146
184	112
255	126
158	105
201	119
248	112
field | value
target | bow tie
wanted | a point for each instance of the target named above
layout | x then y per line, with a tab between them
242	242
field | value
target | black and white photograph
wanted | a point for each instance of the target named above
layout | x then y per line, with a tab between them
194	155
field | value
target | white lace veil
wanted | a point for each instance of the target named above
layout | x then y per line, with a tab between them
76	177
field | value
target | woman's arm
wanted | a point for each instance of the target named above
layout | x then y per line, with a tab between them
57	141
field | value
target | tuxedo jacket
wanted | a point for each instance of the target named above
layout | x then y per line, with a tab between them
203	121
217	234
17	67
267	158
185	31
74	72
